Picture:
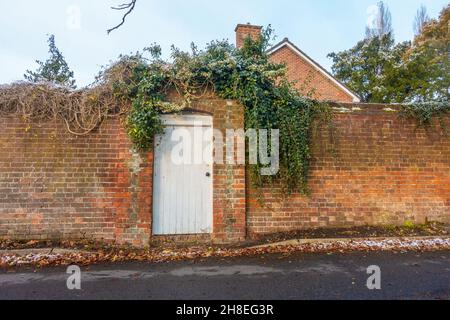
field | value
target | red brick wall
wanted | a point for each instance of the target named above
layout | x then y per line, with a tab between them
57	186
308	79
54	185
377	169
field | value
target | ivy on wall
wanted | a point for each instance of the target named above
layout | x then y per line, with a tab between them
245	75
424	112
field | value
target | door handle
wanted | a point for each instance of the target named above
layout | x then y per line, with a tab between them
208	174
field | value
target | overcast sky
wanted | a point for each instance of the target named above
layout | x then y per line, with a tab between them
318	27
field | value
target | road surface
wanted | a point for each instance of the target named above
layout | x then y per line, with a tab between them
298	276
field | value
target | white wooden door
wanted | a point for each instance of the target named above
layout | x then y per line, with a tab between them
182	189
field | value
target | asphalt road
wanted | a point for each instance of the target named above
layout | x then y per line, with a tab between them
299	276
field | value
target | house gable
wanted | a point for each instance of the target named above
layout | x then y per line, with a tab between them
310	78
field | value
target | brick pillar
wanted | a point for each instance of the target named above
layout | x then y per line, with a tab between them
243	31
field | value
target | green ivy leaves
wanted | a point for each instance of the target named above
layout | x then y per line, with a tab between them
424	112
245	75
143	123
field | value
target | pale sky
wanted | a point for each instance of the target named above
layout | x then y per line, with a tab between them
318	27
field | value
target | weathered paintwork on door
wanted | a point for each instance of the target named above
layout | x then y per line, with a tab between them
183	185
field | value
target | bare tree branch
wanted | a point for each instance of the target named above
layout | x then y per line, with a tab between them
383	23
124	6
421	20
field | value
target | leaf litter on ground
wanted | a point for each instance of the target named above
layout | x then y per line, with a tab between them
110	253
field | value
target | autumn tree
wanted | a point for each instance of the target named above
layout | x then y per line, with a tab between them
55	69
427	61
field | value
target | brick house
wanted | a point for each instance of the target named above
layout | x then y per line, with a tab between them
376	168
309	77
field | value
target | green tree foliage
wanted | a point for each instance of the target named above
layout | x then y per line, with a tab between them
55	69
381	71
373	69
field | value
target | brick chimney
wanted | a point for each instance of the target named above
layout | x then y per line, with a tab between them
243	31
